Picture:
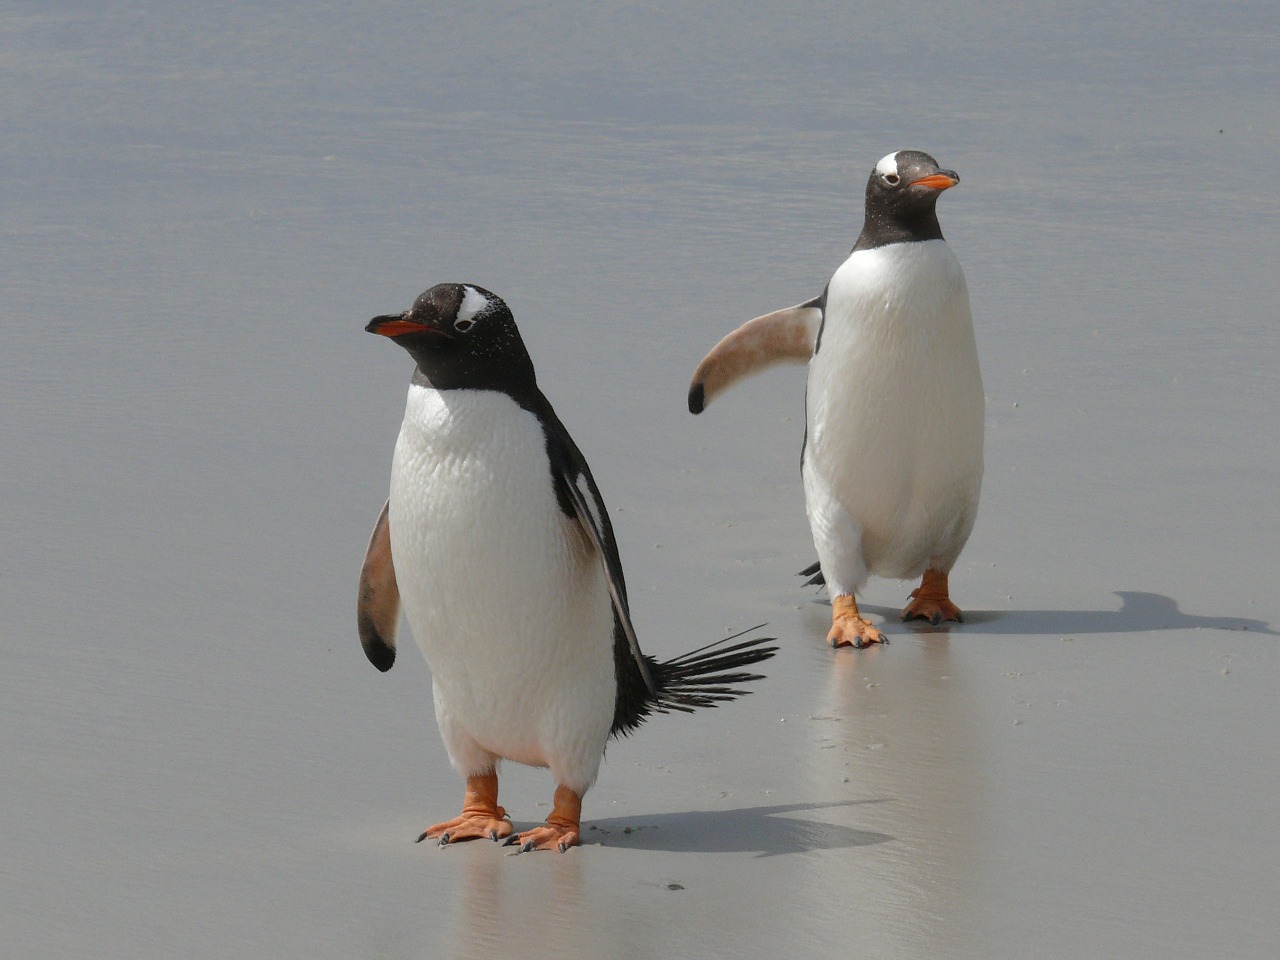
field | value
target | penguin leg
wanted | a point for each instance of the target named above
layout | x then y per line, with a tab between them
481	816
560	832
837	536
931	601
848	627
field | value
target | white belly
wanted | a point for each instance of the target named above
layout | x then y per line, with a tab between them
504	597
895	405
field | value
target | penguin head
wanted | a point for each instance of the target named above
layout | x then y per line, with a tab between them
462	337
902	193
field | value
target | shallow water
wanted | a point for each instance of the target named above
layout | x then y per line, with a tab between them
203	208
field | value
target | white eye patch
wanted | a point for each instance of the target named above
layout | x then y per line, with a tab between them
888	165
473	304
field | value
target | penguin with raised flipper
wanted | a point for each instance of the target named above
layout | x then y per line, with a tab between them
894	408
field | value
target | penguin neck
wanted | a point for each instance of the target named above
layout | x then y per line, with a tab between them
518	382
880	229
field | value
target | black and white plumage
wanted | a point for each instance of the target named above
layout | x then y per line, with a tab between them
497	543
894	408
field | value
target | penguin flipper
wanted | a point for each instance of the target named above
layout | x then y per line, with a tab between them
784	336
378	602
589	512
582	504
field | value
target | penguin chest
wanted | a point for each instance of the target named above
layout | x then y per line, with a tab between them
895	403
503	592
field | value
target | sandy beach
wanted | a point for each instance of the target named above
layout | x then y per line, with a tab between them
204	209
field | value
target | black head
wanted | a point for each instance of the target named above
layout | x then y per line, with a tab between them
463	338
902	193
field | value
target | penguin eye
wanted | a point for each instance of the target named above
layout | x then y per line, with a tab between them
474	304
891	179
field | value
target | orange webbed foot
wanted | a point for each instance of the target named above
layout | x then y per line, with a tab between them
481	816
560	832
931	601
546	837
469	827
849	628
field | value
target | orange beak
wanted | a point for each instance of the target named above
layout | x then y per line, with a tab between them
937	181
397	326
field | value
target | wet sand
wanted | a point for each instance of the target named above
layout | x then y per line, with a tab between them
202	214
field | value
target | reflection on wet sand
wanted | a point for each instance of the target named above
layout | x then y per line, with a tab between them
898	725
502	914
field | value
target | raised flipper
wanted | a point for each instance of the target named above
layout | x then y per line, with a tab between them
784	336
378	604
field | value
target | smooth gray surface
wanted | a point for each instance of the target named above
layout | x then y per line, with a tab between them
203	205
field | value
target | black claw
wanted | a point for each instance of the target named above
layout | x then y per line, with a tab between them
513	839
935	620
421	838
527	846
493	835
858	643
444	839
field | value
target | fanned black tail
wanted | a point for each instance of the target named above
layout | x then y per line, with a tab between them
706	677
814	572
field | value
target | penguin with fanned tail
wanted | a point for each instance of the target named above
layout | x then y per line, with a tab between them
496	542
894	409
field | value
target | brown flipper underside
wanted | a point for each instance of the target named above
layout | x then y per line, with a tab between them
378	604
784	336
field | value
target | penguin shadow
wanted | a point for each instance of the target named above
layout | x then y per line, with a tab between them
1140	612
764	831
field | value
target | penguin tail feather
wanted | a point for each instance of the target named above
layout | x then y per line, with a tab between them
814	572
710	675
706	677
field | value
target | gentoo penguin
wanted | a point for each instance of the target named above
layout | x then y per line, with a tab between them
496	541
892	461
